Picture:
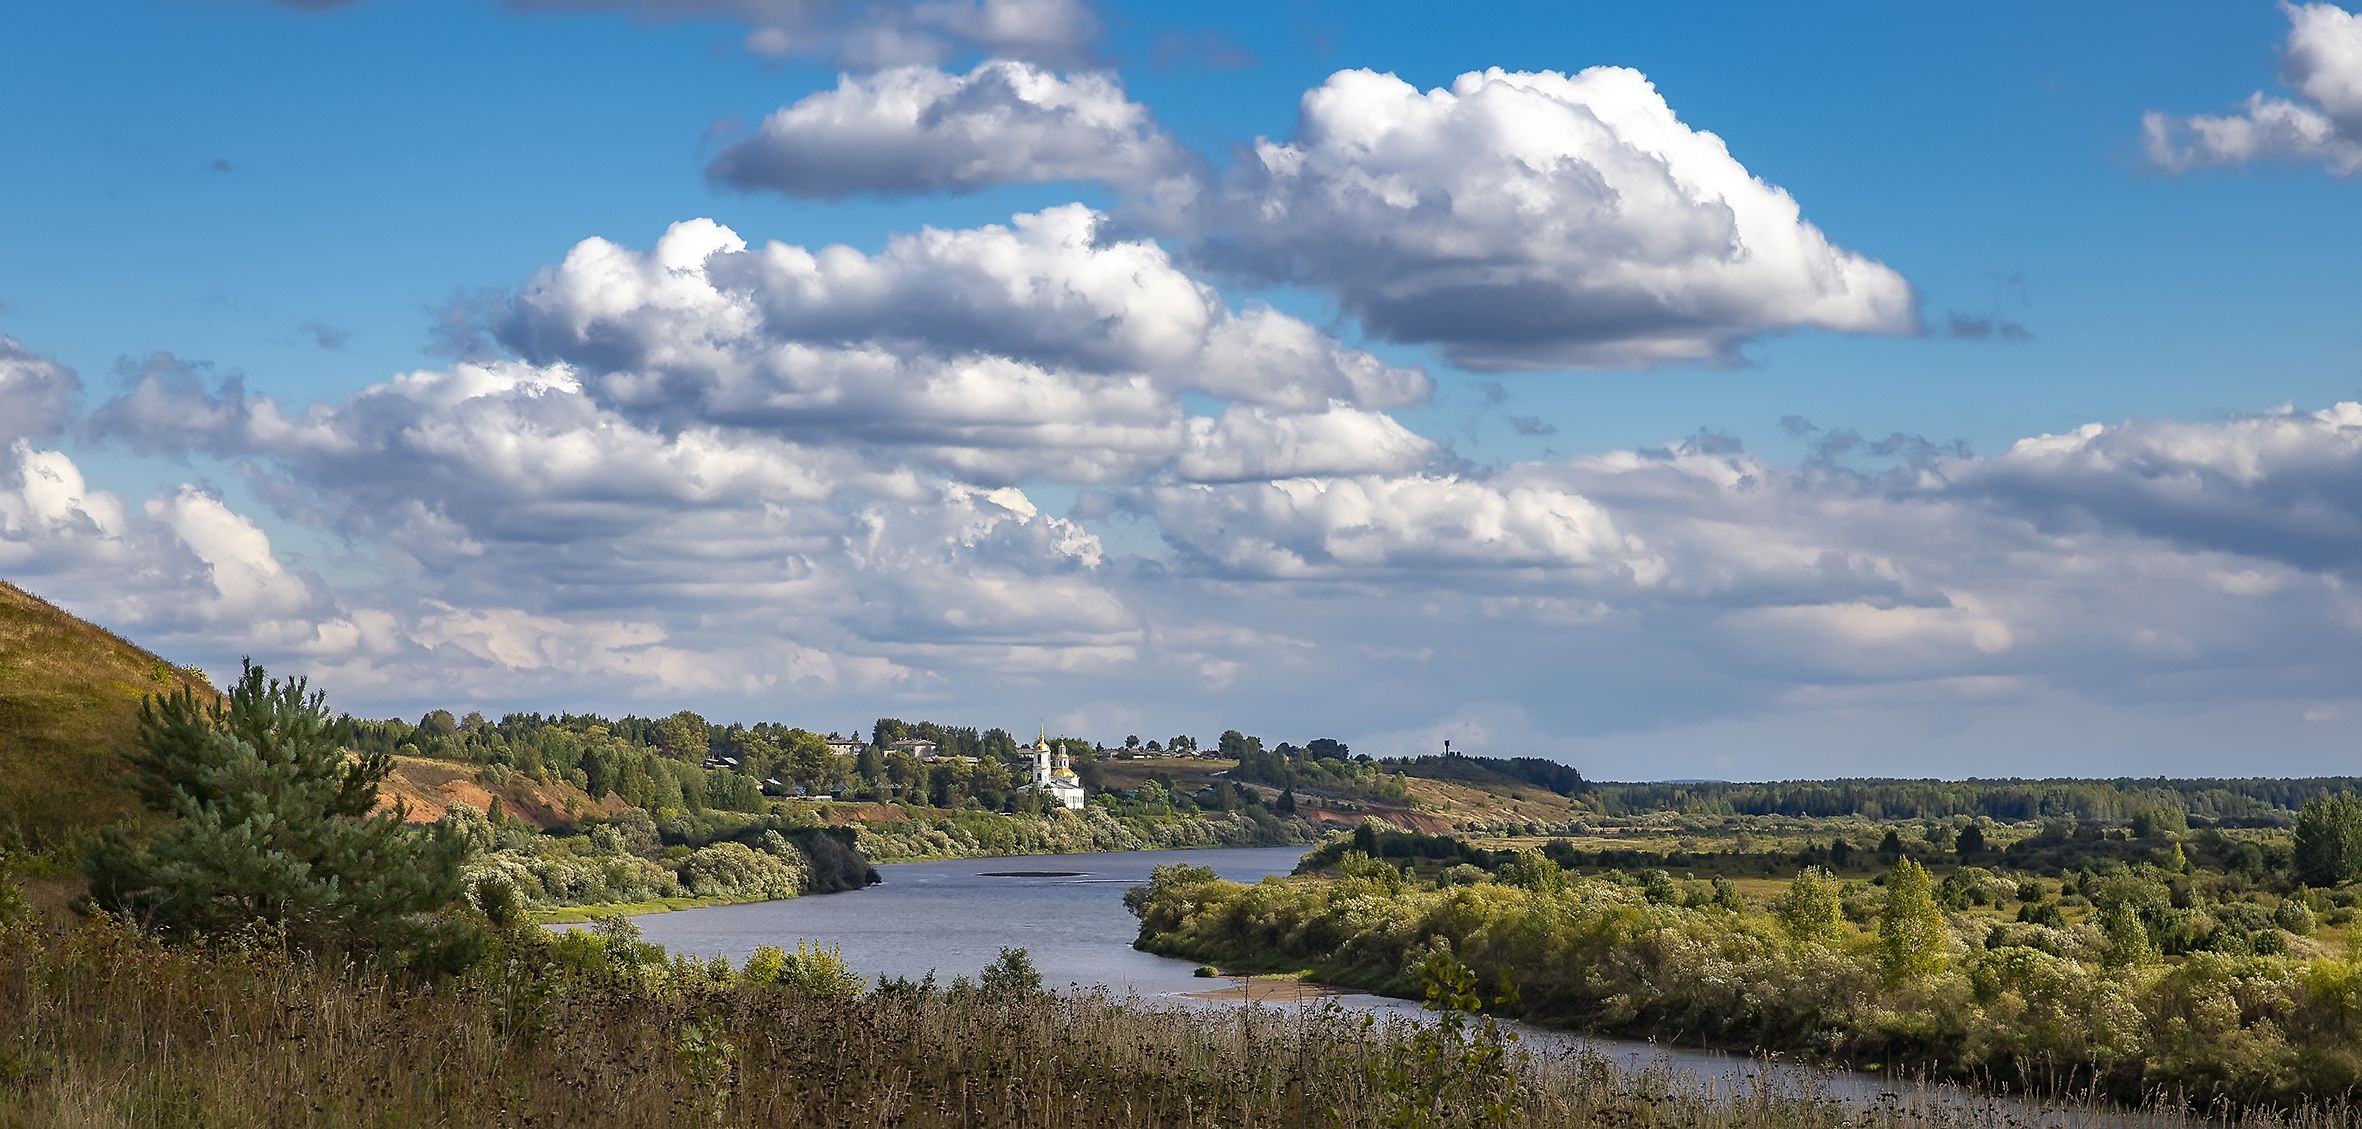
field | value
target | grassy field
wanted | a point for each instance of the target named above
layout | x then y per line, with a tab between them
69	702
1492	804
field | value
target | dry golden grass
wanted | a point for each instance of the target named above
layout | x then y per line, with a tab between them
1461	802
106	1030
69	702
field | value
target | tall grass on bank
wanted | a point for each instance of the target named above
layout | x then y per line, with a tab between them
103	1028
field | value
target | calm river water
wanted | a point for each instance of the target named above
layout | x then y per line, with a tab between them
1067	912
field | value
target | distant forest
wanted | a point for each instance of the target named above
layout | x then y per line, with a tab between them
2260	801
684	761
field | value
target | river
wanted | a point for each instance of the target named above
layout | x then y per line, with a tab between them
953	918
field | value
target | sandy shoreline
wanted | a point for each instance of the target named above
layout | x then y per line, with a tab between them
1266	990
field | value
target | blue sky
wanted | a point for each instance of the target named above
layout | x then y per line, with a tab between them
295	199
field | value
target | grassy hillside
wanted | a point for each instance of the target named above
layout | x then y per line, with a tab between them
69	702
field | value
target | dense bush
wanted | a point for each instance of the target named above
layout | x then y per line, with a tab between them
2030	1004
626	861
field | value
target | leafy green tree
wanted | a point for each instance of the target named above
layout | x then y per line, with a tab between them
2294	915
271	822
1910	928
2128	940
1378	873
809	971
1840	852
684	735
869	769
1813	908
438	723
2329	840
1458	1069
1010	974
1971	842
2152	823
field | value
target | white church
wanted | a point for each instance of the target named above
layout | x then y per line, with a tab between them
1054	777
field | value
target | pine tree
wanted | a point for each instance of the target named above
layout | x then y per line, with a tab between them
1910	929
270	822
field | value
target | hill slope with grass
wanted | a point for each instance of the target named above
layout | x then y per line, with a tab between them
69	703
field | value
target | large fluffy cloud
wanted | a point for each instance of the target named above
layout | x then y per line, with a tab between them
918	129
2322	62
1035	349
1521	220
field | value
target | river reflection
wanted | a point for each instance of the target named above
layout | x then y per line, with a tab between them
953	918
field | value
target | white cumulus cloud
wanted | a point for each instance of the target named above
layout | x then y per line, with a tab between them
1036	348
919	129
1537	219
2322	62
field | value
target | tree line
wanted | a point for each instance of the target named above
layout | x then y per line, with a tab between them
2237	801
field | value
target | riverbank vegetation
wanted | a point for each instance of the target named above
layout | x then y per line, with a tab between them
2195	967
107	1027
